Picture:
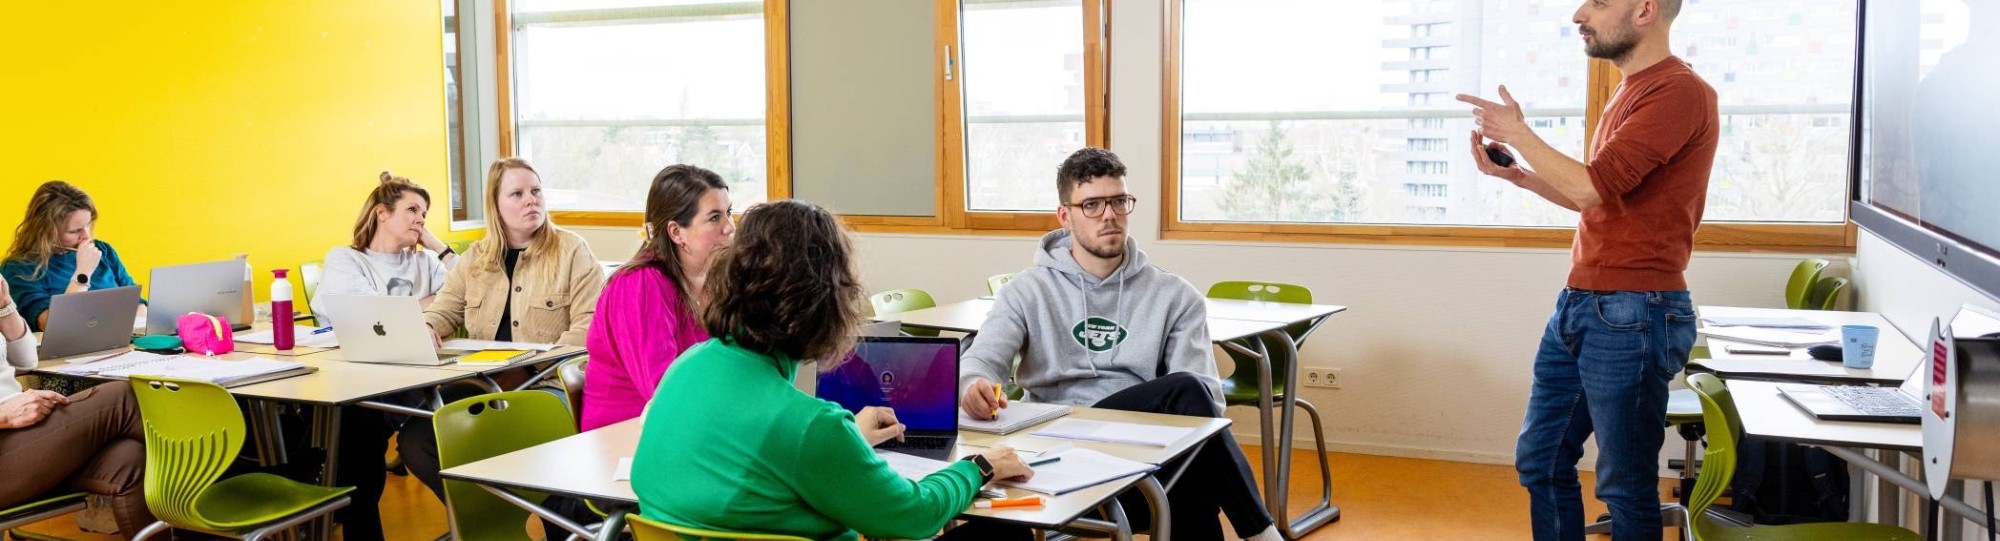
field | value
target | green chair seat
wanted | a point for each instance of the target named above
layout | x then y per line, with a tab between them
646	529
42	504
1239	393
250	500
1713	530
486	426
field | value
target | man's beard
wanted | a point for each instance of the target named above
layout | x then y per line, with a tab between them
1605	47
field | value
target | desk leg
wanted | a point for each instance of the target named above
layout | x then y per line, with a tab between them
1156	498
1954	527
1319	515
1888	497
329	426
1857	493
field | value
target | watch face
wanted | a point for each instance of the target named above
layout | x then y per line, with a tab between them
82	278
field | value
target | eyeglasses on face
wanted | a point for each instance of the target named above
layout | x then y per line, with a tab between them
1092	208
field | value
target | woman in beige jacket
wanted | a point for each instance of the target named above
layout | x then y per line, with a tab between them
527	281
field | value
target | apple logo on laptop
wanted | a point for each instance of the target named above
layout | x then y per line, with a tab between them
379	331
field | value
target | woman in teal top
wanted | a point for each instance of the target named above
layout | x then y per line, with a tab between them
55	252
729	443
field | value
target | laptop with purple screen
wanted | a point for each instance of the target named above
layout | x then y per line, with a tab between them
914	375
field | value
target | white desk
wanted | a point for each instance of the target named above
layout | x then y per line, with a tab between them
583	465
1766	414
1895	355
1231	324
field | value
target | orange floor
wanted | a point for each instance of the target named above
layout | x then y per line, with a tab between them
1380	498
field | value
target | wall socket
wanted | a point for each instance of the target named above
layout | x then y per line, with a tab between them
1319	376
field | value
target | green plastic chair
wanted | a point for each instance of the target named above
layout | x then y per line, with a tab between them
483	427
30	512
1803	277
1825	294
194	430
1241	387
1719	468
646	529
896	301
995	282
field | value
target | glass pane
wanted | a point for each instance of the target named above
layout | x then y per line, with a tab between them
455	113
1785	91
1024	92
600	107
1343	112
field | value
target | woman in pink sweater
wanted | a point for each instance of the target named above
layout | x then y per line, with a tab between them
648	312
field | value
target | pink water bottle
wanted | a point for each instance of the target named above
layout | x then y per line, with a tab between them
281	310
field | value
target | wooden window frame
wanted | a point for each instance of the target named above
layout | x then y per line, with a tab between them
953	215
1603	80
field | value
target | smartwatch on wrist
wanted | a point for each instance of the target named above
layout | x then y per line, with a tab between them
985	468
445	252
83	278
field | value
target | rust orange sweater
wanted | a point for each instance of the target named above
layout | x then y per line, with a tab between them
1650	161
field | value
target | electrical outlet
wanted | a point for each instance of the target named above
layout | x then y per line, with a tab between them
1319	376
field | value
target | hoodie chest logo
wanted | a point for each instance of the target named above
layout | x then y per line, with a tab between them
1098	334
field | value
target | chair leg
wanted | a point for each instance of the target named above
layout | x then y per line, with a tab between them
151	529
1319	444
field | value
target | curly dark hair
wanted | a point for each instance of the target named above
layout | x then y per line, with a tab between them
786	285
1085	164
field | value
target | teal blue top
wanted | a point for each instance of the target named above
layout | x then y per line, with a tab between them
33	292
729	444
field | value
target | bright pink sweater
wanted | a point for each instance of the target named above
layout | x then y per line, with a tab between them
639	328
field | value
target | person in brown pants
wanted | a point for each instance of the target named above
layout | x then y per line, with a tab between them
91	441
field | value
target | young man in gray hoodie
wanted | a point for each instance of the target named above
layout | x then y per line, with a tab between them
1097	325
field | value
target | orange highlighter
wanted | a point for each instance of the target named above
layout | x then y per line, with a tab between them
1030	501
997	397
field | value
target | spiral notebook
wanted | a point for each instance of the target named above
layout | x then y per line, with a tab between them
1014	417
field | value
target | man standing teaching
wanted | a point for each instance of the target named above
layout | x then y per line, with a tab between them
1623	326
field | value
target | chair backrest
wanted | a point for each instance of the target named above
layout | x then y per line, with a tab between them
1244	290
310	275
193	432
896	301
570	376
1718	464
1825	293
485	426
995	282
646	529
1803	277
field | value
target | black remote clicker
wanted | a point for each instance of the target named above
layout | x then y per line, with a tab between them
1499	157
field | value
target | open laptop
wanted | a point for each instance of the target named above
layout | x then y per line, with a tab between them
383	329
1864	403
214	288
90	322
914	375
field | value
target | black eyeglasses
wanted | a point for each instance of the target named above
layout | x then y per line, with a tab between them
1092	208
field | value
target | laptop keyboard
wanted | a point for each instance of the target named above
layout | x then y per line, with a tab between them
1874	400
918	442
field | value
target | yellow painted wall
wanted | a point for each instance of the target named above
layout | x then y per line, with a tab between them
207	128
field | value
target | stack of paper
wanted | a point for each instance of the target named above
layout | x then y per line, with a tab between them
1794	323
1771	337
1079	469
302	336
1016	416
482	345
220	372
1112	432
911	467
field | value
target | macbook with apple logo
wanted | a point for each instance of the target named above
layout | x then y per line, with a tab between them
383	329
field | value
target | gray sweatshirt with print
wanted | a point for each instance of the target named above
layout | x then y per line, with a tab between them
1081	339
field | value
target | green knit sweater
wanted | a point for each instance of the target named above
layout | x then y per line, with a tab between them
729	444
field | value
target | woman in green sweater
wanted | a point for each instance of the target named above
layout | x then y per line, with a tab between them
730	444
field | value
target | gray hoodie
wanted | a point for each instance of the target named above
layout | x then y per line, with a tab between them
1082	339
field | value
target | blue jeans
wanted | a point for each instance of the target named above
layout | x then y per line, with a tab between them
1603	366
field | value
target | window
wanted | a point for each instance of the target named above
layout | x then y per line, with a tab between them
1339	143
606	92
1784	148
1024	101
1377	139
600	94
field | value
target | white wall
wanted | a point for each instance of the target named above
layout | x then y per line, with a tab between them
1436	345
